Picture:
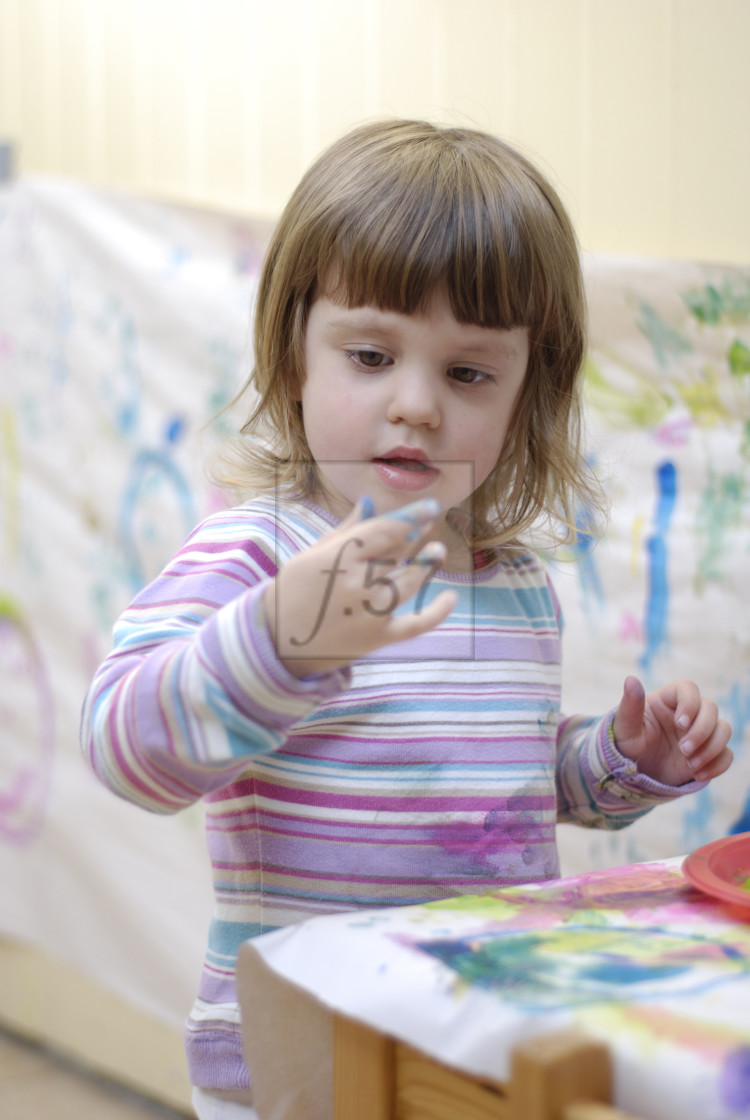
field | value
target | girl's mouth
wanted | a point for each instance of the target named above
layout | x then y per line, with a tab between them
406	464
405	472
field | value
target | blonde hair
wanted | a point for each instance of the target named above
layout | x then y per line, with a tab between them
387	215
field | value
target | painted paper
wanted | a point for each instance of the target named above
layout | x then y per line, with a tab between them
634	956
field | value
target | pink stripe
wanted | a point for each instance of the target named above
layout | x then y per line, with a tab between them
288	794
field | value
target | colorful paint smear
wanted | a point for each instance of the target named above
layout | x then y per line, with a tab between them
667	342
657	601
735	1080
580	964
642	892
27	718
727	300
719	519
640	404
738	357
156	514
584	552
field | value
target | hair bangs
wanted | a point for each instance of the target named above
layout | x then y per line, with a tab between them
434	226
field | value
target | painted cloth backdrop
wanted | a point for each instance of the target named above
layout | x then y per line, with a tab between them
124	329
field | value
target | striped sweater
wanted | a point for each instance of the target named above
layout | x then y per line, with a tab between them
432	768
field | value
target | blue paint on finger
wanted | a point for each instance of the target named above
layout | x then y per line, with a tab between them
418	513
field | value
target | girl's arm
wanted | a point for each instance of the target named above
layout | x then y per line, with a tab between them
216	660
610	771
193	686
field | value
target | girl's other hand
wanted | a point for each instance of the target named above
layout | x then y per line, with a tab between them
335	601
674	735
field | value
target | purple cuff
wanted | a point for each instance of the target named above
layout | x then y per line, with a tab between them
626	773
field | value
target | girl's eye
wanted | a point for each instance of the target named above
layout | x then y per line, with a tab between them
370	359
468	376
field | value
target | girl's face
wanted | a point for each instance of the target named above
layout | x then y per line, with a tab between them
400	407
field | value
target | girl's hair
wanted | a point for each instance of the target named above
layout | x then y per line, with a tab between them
390	213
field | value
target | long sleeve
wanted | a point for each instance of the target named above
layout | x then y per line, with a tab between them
597	787
193	687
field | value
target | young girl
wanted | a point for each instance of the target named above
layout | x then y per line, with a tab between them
359	668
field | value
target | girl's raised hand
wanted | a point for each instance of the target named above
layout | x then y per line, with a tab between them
335	601
674	735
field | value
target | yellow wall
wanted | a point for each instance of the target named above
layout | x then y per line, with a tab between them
637	108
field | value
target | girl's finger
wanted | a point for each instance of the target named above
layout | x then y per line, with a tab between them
685	698
697	735
416	513
715	767
699	756
706	721
403	626
398	534
362	510
388	585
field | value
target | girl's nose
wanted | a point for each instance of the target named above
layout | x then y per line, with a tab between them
414	398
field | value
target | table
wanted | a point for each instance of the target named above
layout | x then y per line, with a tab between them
630	973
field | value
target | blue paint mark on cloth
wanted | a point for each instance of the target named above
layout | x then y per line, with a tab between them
657	602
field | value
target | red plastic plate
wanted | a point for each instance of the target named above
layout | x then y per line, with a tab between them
722	869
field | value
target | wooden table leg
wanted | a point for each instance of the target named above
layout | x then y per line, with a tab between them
364	1072
554	1070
